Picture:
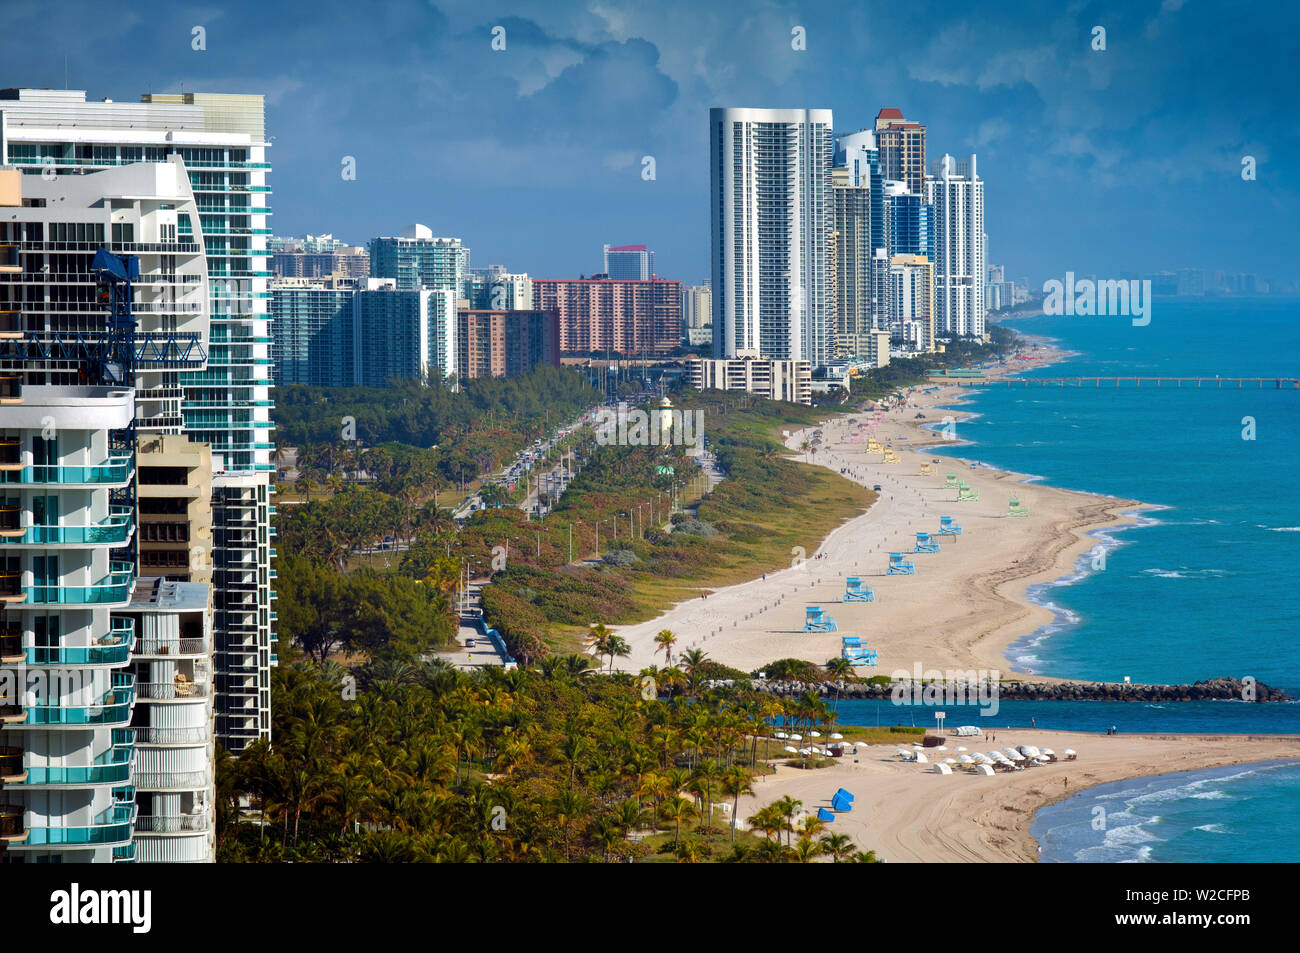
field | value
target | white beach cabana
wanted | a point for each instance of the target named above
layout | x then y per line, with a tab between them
942	768
983	769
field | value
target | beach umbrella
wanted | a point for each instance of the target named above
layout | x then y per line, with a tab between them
814	734
791	749
836	735
796	737
780	734
961	749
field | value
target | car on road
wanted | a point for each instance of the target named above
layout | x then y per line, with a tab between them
469	643
876	487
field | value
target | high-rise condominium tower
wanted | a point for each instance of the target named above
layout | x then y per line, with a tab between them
772	223
902	149
957	194
227	405
109	734
416	259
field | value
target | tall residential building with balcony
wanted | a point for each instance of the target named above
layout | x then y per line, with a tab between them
416	259
67	692
227	404
403	335
71	507
861	239
173	722
506	343
911	282
957	193
311	330
772	223
634	319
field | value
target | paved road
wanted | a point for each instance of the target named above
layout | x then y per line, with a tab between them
484	653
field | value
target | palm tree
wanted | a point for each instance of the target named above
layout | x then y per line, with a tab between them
616	645
677	808
597	640
788	807
807	849
569	807
665	641
839	667
692	659
736	782
838	846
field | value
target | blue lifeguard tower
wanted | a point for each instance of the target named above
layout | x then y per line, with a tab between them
817	620
948	527
925	543
853	651
898	566
855	590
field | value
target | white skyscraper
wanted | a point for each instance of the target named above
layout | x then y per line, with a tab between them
956	191
772	223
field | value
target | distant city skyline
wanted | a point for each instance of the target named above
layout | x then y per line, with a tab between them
1127	159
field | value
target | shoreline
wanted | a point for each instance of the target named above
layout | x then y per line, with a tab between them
987	587
908	814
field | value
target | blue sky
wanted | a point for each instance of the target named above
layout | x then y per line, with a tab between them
1095	162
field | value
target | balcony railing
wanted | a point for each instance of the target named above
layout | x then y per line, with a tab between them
172	736
113	767
116	529
179	688
113	708
156	645
116	470
115	587
11	450
11	389
113	649
124	854
171	780
172	824
112	826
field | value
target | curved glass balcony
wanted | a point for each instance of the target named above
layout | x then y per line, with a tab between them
113	649
113	826
114	530
112	767
112	709
115	587
117	470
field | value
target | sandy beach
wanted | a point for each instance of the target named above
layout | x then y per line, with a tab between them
964	605
906	813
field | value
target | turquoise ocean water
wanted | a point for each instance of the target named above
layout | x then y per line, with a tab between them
1203	587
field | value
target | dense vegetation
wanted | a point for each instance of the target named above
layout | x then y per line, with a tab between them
420	416
422	763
